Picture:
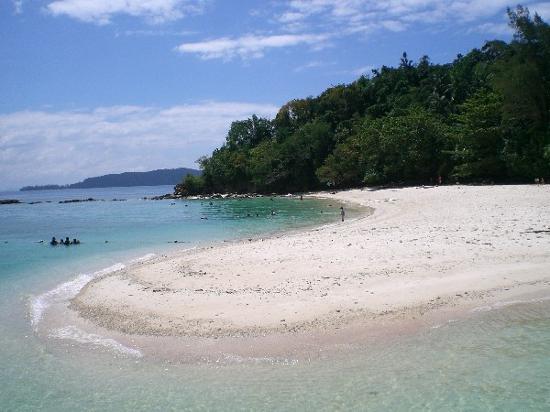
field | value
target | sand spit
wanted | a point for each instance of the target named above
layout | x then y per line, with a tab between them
422	248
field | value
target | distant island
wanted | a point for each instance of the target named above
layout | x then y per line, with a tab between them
152	178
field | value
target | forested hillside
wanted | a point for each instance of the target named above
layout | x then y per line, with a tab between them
127	179
483	117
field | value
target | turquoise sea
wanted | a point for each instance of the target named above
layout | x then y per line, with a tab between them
496	360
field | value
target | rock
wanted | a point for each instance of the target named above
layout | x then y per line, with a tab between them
9	201
166	196
90	199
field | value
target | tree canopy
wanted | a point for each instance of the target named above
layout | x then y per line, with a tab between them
483	117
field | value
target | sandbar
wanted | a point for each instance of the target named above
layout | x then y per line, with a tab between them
421	249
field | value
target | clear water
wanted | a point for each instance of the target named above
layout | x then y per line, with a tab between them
496	360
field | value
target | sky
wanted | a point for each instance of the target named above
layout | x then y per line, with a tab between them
90	87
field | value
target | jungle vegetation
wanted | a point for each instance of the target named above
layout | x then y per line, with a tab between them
485	117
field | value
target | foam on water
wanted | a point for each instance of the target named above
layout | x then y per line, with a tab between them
68	290
64	292
144	258
78	335
504	304
233	358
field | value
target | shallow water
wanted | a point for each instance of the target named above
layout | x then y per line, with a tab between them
498	359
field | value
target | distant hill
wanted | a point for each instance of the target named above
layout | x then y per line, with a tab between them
153	178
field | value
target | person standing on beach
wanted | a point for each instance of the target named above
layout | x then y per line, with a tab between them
342	213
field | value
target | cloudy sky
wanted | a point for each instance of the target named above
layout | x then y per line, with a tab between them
89	87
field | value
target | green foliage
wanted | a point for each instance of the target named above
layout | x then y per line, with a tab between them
191	185
404	149
479	138
485	116
393	149
248	133
522	77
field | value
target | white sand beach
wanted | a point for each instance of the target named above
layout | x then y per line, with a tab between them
421	250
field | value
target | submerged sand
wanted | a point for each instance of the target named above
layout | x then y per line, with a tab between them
421	248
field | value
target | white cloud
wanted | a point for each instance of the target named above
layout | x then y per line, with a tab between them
18	6
543	10
354	16
365	70
393	25
492	28
249	46
311	65
102	11
156	33
39	147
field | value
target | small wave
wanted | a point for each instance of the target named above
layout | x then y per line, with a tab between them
144	258
64	292
232	358
75	334
486	308
504	304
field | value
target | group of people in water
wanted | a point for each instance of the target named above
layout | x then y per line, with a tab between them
66	242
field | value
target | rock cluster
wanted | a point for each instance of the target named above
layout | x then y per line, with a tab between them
173	196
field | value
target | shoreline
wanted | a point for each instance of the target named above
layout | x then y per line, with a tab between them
361	280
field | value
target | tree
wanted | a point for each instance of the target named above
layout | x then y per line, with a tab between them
522	77
484	116
249	132
479	138
404	149
191	185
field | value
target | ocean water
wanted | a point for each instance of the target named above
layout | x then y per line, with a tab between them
497	359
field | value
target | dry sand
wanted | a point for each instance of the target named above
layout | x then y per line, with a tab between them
421	249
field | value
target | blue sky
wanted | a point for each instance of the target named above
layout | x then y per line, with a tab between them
91	87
